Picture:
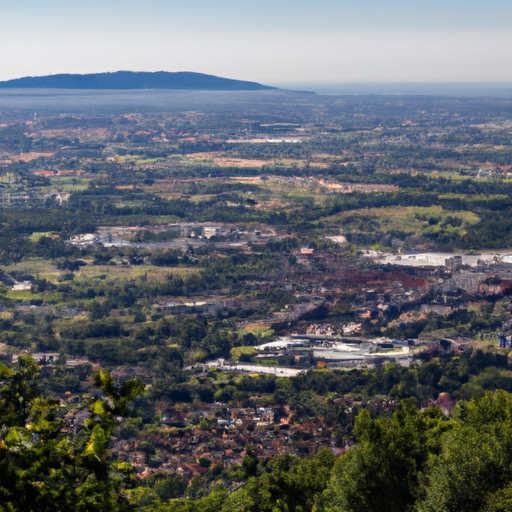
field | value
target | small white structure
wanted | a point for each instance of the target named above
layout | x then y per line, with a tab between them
283	343
209	231
26	286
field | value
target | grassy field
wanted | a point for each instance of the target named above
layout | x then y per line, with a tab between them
48	270
36	267
114	273
34	237
70	183
407	219
259	331
236	352
27	295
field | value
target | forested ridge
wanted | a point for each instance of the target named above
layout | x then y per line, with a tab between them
134	80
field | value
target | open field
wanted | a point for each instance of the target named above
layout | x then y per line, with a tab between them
36	267
34	237
27	295
27	157
46	269
236	352
226	160
405	219
116	273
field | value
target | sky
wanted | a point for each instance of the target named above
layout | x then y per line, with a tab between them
276	42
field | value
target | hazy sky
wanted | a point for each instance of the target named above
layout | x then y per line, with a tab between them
272	42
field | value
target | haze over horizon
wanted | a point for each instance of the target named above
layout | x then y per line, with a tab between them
273	43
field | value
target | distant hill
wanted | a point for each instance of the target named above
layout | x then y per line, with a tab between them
135	80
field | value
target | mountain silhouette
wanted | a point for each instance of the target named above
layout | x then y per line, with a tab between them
136	80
